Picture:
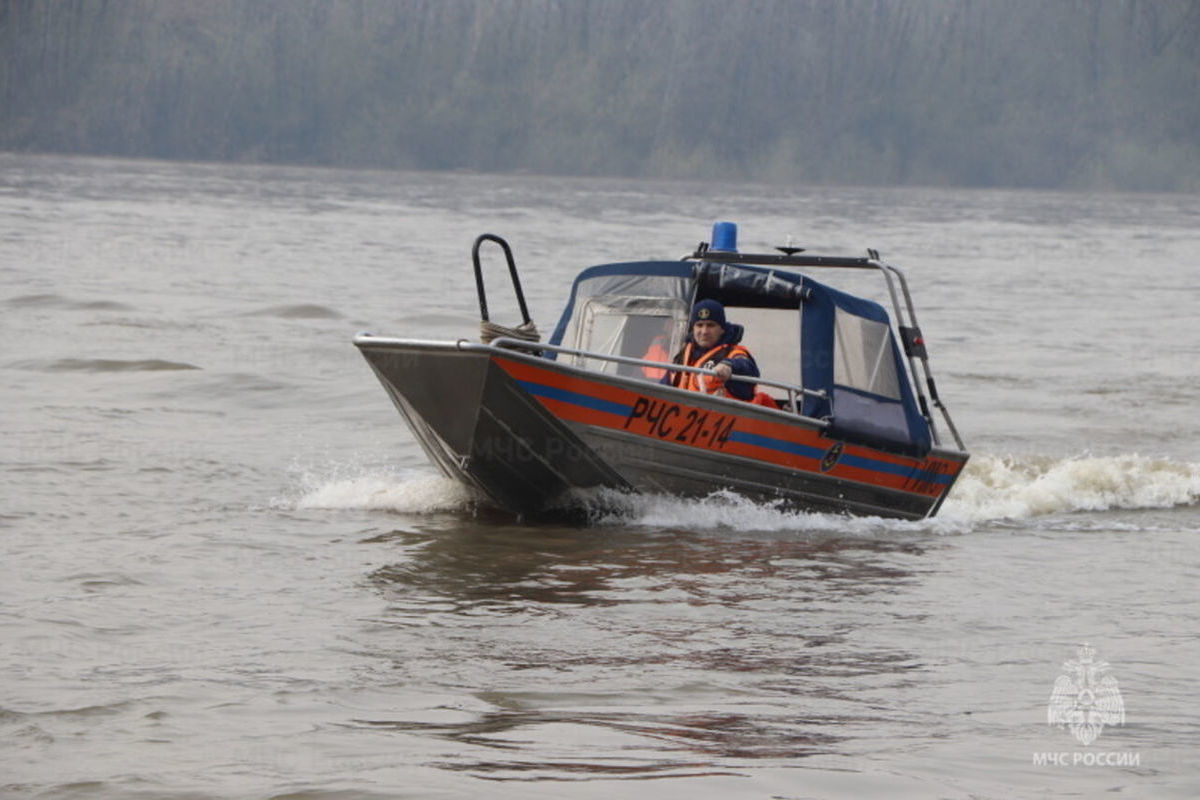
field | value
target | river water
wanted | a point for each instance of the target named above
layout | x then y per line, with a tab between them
229	572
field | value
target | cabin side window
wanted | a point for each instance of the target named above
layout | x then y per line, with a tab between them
863	356
773	336
634	327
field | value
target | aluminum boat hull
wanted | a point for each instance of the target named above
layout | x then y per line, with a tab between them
528	432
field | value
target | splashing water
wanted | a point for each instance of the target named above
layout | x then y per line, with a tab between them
379	489
992	488
1010	487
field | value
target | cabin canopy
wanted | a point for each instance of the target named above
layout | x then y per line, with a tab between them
828	340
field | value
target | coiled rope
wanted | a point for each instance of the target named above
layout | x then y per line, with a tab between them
526	331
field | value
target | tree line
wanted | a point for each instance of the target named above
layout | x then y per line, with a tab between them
1086	94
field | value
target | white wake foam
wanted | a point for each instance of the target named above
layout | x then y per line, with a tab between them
729	511
1011	487
992	488
378	489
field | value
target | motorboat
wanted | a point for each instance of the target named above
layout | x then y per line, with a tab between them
846	415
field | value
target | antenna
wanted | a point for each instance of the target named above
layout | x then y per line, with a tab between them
790	249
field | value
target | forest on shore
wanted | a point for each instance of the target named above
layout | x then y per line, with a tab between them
1074	94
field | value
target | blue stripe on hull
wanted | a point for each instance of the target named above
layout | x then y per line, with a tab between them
757	440
575	398
779	445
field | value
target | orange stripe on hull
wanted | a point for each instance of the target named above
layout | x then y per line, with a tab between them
794	447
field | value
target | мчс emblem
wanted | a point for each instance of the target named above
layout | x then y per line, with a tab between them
1085	697
831	457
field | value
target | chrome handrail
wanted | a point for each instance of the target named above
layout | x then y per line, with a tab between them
792	390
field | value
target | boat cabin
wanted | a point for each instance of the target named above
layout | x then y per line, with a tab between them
822	353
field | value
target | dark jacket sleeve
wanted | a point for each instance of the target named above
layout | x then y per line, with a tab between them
742	365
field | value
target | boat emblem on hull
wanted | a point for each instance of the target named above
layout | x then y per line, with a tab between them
831	457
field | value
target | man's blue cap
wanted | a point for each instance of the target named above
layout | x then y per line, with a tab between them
708	310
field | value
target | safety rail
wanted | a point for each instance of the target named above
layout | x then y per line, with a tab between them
792	390
512	274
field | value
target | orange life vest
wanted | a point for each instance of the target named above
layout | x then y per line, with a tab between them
656	353
704	383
